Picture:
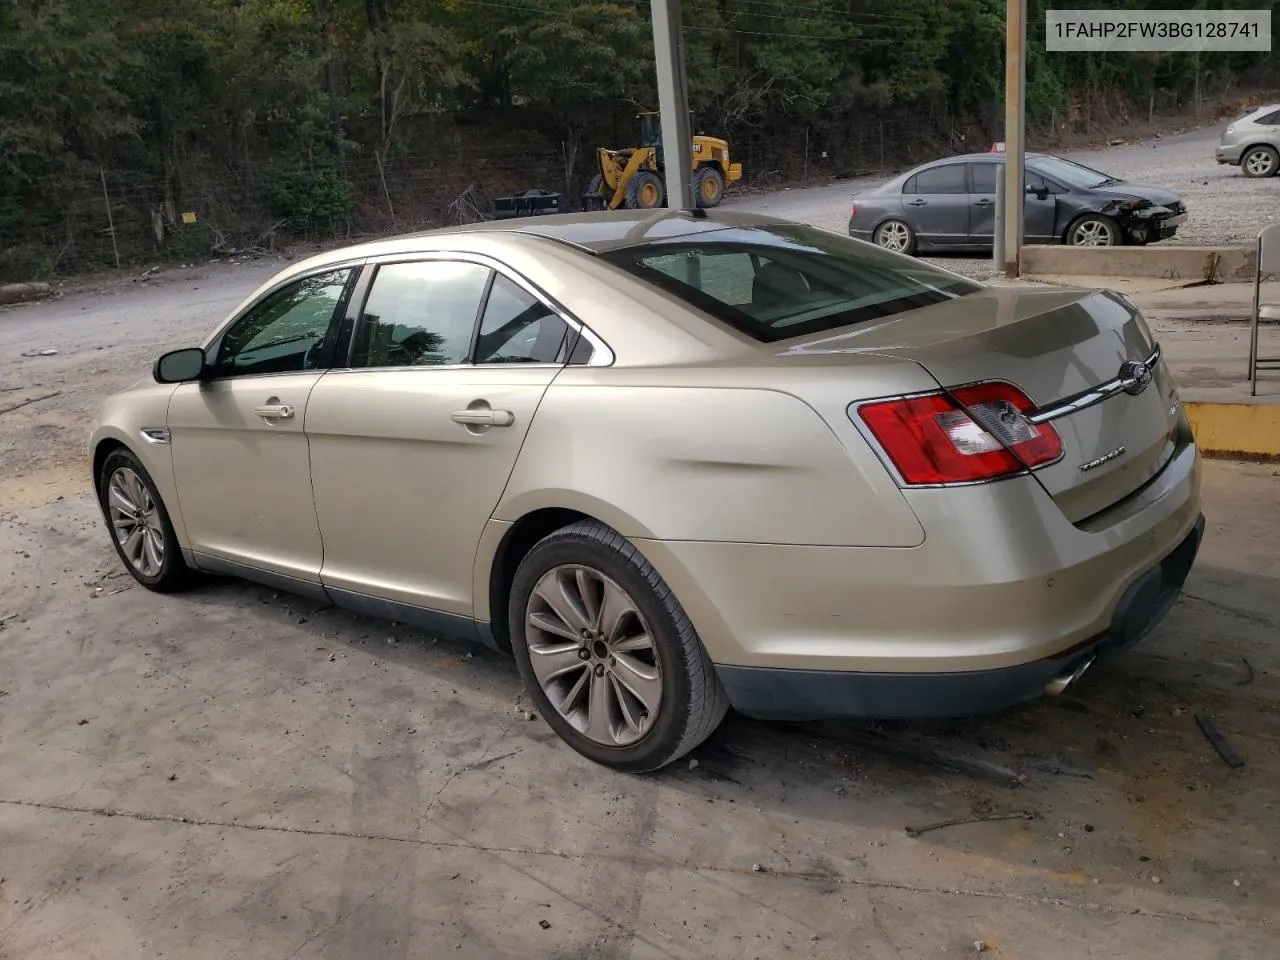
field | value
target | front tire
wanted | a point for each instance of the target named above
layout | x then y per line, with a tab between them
141	530
1260	161
608	654
896	236
645	191
1093	230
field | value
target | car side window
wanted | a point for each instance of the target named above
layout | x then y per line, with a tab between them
286	331
945	179
984	176
420	314
517	327
1270	120
910	185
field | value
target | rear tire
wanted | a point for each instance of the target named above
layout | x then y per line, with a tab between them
1260	161
708	186
1093	230
645	191
140	528
621	676
896	236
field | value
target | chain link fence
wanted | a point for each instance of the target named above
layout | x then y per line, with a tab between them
448	170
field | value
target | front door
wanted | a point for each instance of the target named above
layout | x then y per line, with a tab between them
413	444
936	205
1039	205
1041	211
239	451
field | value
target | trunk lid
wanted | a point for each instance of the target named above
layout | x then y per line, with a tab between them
1053	345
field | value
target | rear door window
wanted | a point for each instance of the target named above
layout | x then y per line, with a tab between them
420	314
945	179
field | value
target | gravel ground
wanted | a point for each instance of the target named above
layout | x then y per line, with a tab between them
1223	205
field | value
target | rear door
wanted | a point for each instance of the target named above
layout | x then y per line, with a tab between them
935	203
413	442
1056	346
982	201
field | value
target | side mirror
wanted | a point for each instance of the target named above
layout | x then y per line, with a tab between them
1040	193
179	366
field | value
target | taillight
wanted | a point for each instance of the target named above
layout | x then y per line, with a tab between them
932	440
853	211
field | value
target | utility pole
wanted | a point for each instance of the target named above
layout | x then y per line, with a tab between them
673	103
1015	120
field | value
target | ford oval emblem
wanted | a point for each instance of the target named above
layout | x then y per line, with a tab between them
1136	376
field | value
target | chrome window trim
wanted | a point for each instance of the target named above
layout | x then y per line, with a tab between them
602	354
432	367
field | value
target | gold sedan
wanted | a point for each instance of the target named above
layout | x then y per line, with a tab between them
674	462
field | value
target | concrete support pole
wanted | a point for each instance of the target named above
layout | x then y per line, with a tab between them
673	102
997	233
1015	117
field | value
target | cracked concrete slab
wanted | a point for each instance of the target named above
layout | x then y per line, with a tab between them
237	773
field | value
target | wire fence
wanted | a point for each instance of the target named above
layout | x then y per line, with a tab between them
454	168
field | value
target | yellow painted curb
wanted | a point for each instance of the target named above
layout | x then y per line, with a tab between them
1249	430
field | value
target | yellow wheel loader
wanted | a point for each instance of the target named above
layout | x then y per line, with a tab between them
632	177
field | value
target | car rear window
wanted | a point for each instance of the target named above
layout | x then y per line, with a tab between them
778	282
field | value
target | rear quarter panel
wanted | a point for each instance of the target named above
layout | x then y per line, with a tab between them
658	459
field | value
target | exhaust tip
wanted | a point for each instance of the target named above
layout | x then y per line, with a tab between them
1063	680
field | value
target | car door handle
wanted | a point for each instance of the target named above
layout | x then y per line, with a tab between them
983	203
484	418
276	411
916	203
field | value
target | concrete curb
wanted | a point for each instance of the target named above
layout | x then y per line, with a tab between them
1239	431
21	292
1223	263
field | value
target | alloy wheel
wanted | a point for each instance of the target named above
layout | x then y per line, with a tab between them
135	522
1091	233
1259	163
894	236
594	655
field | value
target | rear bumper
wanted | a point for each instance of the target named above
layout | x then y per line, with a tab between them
813	694
1228	154
1001	597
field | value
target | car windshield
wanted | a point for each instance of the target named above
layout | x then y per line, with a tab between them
781	281
1069	173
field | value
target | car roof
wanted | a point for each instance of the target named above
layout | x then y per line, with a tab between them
987	157
595	233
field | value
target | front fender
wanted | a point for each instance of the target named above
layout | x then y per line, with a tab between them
122	419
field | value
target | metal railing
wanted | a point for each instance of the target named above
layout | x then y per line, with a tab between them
1267	266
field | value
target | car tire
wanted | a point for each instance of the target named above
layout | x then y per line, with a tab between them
633	687
1093	230
1260	161
896	236
131	505
645	191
